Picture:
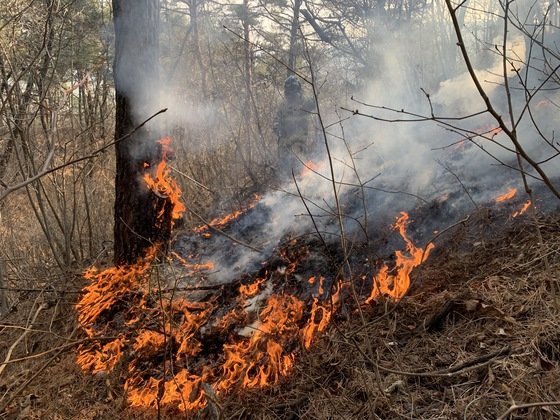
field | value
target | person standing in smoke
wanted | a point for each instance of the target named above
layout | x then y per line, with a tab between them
291	125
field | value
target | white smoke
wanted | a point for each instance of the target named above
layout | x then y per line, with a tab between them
409	160
421	158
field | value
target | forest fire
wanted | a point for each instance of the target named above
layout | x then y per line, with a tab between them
220	222
309	168
509	195
396	285
177	350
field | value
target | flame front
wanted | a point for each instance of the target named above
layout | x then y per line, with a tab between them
395	283
220	222
261	360
321	313
163	341
153	325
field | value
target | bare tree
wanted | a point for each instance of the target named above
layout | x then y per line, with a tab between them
516	113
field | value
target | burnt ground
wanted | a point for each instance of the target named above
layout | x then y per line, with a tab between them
477	333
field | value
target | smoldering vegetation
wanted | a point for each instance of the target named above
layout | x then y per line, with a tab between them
406	130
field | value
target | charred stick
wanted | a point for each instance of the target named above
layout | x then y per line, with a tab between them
464	367
437	235
435	321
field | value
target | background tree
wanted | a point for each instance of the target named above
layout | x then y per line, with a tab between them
55	104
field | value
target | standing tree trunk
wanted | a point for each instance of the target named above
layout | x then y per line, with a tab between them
142	218
292	52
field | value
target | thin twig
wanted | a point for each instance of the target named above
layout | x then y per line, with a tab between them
194	181
309	213
21	337
510	132
448	169
45	171
37	373
516	407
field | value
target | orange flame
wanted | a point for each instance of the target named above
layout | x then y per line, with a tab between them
161	183
172	328
220	222
196	267
261	360
321	313
100	358
108	287
183	391
309	168
250	290
512	192
396	285
523	209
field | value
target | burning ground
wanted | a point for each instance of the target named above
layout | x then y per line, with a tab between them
239	303
474	331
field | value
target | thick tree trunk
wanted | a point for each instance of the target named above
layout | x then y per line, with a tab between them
142	218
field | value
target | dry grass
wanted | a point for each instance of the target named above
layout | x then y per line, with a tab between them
478	332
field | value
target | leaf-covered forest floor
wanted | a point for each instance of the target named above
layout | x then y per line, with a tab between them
477	337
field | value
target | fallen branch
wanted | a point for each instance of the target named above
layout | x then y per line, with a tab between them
516	407
37	373
21	337
464	367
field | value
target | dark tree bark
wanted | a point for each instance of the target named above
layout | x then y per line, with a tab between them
142	218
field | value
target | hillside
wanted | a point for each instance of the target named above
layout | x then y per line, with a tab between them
475	334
